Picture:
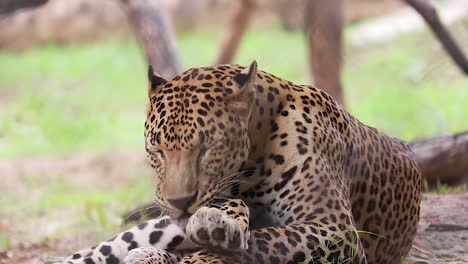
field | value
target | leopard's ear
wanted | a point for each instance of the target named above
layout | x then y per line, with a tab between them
154	81
245	79
243	90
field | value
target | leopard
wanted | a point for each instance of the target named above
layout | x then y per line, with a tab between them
252	168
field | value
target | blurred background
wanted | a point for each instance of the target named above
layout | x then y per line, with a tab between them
73	97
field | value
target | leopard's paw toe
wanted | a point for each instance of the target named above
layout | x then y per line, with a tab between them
213	228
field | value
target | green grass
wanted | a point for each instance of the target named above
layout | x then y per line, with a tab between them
64	100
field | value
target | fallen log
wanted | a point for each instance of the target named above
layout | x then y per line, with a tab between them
443	159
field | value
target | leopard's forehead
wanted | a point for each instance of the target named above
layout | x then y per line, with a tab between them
194	84
190	109
208	74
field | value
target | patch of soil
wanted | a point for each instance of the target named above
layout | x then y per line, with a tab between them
27	253
90	169
443	230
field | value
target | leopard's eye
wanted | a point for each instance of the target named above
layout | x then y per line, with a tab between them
199	159
156	152
201	154
160	153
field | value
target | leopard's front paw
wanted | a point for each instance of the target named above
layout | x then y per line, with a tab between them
214	229
150	255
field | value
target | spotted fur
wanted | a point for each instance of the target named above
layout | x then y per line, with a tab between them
319	184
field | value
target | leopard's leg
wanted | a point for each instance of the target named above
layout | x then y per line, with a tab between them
304	243
161	234
316	237
225	228
300	243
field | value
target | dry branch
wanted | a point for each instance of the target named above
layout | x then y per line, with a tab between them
429	14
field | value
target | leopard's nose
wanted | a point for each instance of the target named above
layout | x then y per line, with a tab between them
182	202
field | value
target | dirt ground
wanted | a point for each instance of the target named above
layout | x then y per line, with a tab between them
442	236
443	230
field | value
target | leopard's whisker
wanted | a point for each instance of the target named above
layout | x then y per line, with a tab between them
231	177
153	206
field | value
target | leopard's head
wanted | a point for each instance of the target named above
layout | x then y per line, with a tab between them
196	134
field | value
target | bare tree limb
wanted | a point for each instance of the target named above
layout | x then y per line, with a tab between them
429	14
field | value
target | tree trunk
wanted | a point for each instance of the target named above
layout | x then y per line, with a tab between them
324	26
443	159
156	35
237	26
